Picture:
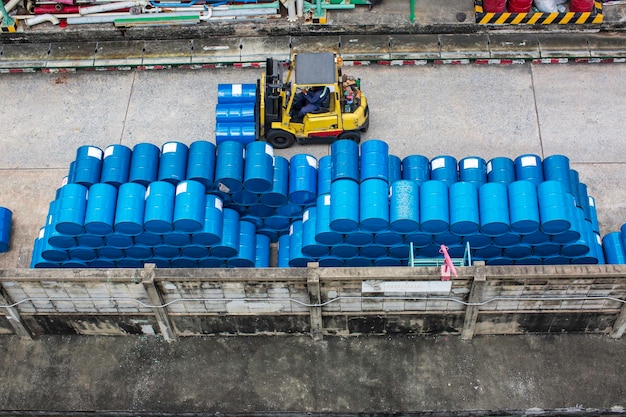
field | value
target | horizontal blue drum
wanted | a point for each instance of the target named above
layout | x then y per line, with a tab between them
278	195
553	207
297	259
228	246
310	246
242	132
236	93
234	112
245	257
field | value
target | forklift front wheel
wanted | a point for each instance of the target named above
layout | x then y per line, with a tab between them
280	139
354	135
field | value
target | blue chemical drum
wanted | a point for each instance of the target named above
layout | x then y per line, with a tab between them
277	223
574	181
444	168
282	260
529	260
324	175
374	160
184	262
404	206
493	209
139	252
116	165
148	239
262	251
118	241
189	206
374	204
258	167
434	207
159	211
464	208
129	210
173	162
310	246
344	207
523	207
331	262
242	132
501	169
344	156
517	251
528	167
359	262
387	261
229	166
416	168
71	208
359	237
166	251
87	165
556	168
6	216
302	179
613	246
323	232
100	212
506	240
260	211
201	163
297	259
584	198
344	250
81	253
419	239
90	241
447	238
388	238
102	263
374	251
245	198
53	237
553	207
144	164
277	196
535	238
236	93
586	241
228	246
195	251
473	169
546	249
246	255
70	173
109	252
47	251
235	112
394	169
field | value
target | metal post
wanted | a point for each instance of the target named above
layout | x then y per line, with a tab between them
163	319
619	327
476	295
315	297
412	14
13	315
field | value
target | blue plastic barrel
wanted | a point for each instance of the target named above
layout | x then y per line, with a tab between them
344	250
234	112
501	169
404	206
201	163
499	261
71	208
344	206
246	255
416	168
493	209
277	196
324	175
528	167
228	246
189	206
116	165
506	240
69	179
159	211
419	239
195	251
262	251
144	164
573	233
282	260
159	262
6	216
489	251
302	179
359	262
260	211
447	238
166	251
258	167
87	165
535	238
473	169
100	211
250	218
399	252
444	168
344	155
90	241
229	166
529	260
373	251
553	211
394	169
109	252
290	210
556	168
556	260
331	262
523	207
236	93
388	238
139	252
480	241
323	232
574	181
46	250
585	242
464	218
242	132
297	259
244	198
310	246
119	241
276	222
184	262
82	253
148	239
359	237
129	210
374	204
271	234
175	238
434	207
102	263
173	162
517	251
374	160
584	198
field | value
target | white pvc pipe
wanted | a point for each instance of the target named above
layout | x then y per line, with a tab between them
107	7
42	18
291	10
11	4
300	8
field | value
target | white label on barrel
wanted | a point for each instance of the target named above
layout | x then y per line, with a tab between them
219	204
147	193
598	239
305	216
108	151
94	152
438	163
64	181
181	188
291	230
223	188
390	191
269	150
87	195
470	163
273	161
50	219
489	168
236	90
41	232
327	200
312	161
529	161
243	153
169	147
592	202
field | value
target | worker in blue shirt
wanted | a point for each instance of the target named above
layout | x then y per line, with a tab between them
308	101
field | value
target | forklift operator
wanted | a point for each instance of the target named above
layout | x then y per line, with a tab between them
307	101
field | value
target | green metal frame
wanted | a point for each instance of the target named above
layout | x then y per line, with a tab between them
466	260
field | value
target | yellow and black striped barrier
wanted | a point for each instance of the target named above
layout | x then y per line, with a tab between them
568	18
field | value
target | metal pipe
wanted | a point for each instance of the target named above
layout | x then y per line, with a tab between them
101	18
412	14
300	8
291	10
42	18
11	5
108	7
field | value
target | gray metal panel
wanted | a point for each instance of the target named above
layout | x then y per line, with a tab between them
315	68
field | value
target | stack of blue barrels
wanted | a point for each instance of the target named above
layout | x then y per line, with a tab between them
235	113
614	245
6	217
221	206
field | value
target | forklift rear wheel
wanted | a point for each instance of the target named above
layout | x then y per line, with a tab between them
280	139
354	135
